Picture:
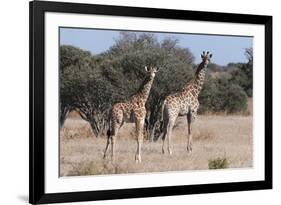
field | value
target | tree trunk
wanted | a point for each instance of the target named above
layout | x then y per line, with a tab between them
63	114
97	121
152	132
154	121
98	126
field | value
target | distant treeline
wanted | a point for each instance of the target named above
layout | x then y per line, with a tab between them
91	84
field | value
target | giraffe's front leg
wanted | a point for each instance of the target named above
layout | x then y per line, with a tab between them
191	116
139	135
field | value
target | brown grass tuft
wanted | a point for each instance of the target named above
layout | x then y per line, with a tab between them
76	128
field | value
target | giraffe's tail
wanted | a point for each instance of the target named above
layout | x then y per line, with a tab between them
109	131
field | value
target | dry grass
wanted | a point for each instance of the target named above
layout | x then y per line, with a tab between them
214	137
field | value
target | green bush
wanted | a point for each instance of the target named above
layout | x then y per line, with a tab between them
221	95
91	84
218	163
243	74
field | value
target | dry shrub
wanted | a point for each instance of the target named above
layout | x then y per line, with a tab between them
76	132
218	163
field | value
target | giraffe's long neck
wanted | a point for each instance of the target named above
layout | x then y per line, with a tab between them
199	77
146	87
196	84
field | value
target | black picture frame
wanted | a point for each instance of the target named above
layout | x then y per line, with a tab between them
37	194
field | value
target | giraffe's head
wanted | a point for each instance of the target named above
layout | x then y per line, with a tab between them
206	57
151	70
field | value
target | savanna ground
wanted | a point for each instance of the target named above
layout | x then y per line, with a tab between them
214	137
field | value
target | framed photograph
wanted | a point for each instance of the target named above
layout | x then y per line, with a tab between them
130	102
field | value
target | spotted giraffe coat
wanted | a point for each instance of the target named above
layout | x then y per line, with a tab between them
186	101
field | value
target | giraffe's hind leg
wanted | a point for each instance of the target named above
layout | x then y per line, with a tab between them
107	144
112	133
169	135
163	140
113	141
169	121
164	136
189	137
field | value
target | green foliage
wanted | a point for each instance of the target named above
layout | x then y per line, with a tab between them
219	163
72	60
214	67
243	75
83	88
91	84
226	88
221	95
124	66
125	62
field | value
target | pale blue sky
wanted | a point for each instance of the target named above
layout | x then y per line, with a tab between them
225	49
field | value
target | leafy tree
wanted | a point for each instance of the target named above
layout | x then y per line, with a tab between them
221	95
243	76
91	84
71	61
124	65
83	88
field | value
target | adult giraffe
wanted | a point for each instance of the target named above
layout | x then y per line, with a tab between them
184	103
132	110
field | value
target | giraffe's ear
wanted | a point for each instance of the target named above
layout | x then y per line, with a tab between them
202	56
210	55
157	69
146	69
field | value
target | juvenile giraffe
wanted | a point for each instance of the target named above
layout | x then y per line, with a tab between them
131	111
184	103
